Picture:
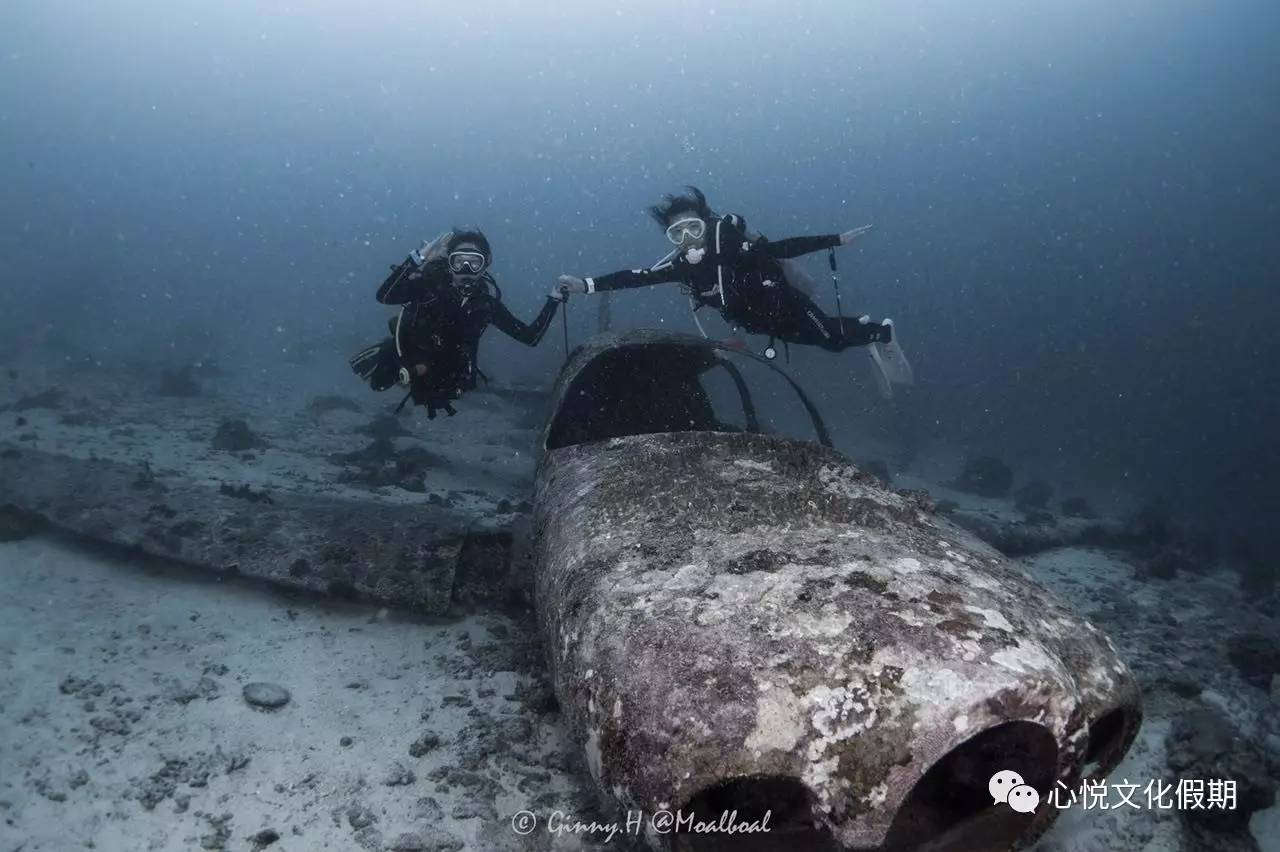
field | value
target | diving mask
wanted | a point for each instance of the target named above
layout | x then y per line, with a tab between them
680	231
467	262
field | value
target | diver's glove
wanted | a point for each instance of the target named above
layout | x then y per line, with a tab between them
849	236
571	284
559	292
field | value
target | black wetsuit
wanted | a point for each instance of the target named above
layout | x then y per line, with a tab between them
743	279
441	325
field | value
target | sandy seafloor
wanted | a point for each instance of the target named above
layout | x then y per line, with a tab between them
122	721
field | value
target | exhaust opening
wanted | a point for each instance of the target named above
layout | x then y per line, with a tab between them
786	802
951	809
1106	738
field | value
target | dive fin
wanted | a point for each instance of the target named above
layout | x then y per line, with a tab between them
879	374
892	360
366	361
378	365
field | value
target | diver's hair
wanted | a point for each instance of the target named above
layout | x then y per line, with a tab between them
470	235
692	201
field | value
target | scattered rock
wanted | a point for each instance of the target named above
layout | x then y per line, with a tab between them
221	826
205	688
110	724
1257	579
360	817
179	383
1148	529
879	469
244	492
475	809
51	398
53	794
17	523
380	463
235	436
399	776
268	696
986	476
1033	495
346	742
369	838
80	418
1078	507
264	838
78	779
1165	565
384	426
427	810
332	402
424	744
1203	746
1256	657
517	729
407	842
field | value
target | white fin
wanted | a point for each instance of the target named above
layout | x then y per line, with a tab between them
878	373
893	360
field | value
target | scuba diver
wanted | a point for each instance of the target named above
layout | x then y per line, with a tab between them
723	264
448	299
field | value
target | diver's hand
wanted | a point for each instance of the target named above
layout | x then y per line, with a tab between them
849	236
431	249
571	284
559	292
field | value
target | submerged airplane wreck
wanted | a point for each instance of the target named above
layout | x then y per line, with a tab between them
741	621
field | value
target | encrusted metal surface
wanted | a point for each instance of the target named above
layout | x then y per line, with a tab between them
719	606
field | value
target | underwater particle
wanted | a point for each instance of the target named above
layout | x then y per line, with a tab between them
267	696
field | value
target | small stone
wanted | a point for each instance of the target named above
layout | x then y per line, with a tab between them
475	809
360	817
265	838
268	696
428	810
399	776
407	842
438	840
423	744
517	729
78	779
345	742
369	838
